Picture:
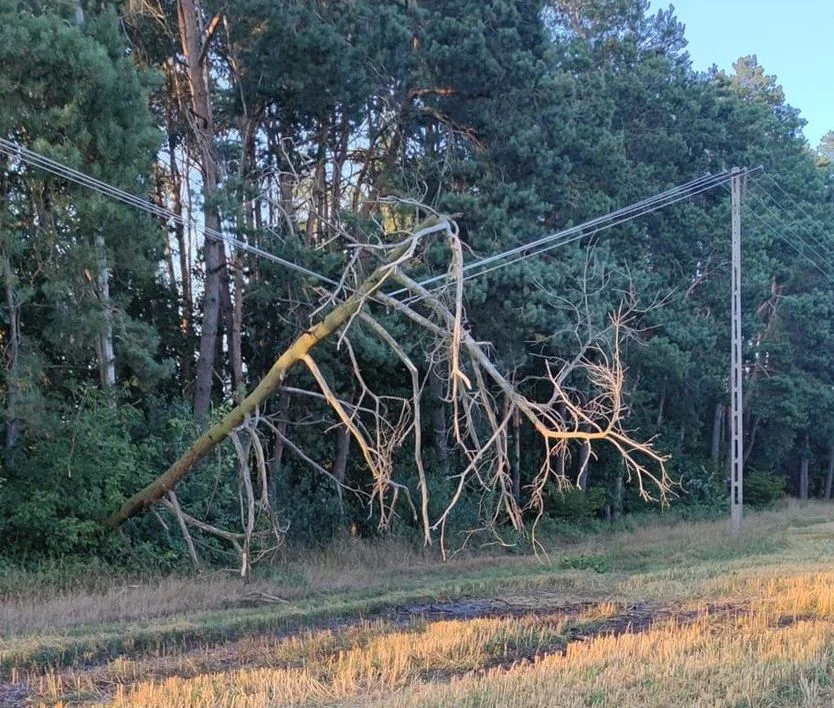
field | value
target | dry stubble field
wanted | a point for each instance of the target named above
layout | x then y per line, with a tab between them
672	614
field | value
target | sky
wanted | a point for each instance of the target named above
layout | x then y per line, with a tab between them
793	40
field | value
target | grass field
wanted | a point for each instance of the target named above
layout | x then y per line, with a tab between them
673	614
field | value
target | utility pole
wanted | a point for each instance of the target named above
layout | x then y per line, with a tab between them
736	404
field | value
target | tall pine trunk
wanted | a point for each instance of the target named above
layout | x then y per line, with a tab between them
213	253
339	470
104	344
803	471
13	366
186	296
717	433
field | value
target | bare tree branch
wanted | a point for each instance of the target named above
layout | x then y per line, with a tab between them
485	404
336	319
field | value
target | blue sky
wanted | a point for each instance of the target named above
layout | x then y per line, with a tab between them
793	40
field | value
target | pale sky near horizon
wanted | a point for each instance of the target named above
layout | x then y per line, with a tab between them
793	40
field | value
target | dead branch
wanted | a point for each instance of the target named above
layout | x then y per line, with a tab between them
416	394
257	596
247	515
233	538
189	543
302	346
559	420
485	404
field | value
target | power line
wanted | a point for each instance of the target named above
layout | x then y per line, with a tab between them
826	252
15	150
594	229
782	237
544	244
619	215
471	270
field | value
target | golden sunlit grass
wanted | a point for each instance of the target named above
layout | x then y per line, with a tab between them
744	662
672	614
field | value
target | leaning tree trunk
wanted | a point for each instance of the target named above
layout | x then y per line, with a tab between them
297	352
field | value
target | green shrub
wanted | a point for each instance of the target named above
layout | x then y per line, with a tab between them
762	489
576	505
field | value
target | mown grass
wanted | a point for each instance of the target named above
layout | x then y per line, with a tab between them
669	614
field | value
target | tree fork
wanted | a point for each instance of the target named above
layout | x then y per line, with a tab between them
302	346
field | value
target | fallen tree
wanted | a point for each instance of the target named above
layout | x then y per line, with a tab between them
484	402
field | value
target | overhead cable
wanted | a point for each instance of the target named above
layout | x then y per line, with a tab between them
471	270
47	164
826	254
547	243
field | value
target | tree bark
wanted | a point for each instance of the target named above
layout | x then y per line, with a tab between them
13	369
438	422
660	409
186	534
584	460
237	330
317	220
717	433
213	251
517	456
183	241
276	458
340	463
268	385
339	159
829	478
617	506
751	442
803	472
104	345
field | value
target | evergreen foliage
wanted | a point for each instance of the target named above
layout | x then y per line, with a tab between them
523	117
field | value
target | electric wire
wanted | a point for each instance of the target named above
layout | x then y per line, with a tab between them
547	243
603	227
471	270
580	229
47	164
755	200
826	254
625	213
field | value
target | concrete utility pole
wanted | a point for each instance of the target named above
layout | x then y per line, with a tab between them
736	404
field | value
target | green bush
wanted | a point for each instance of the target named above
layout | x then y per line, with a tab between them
576	505
762	489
